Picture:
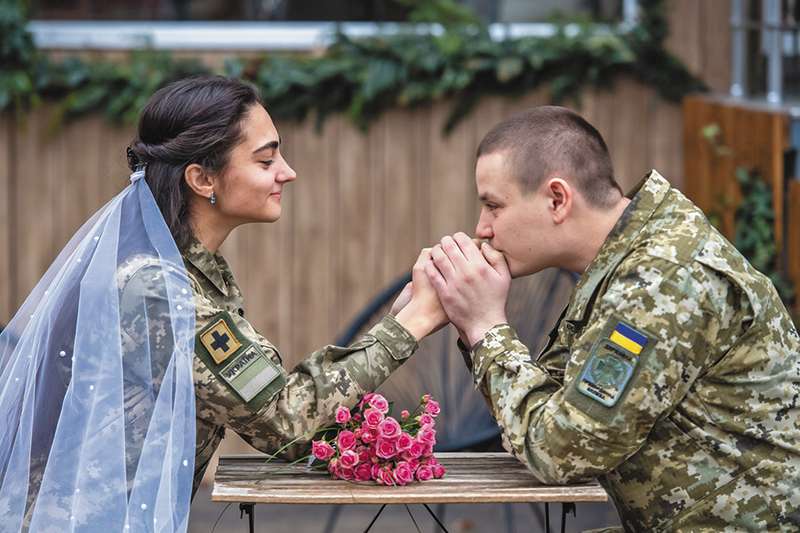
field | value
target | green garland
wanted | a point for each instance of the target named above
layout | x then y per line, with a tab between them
363	77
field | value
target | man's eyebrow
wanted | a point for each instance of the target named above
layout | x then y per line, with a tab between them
272	145
486	197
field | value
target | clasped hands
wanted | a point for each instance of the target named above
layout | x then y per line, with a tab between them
455	281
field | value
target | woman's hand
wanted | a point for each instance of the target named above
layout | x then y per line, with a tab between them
402	299
424	313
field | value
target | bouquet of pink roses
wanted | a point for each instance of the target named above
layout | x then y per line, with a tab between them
371	445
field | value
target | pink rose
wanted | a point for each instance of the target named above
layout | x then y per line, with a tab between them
432	408
386	476
333	467
372	417
363	472
416	450
427	449
427	435
368	436
342	415
403	473
375	472
425	420
438	471
424	473
379	402
349	459
365	399
363	454
322	450
346	440
389	428
386	449
404	414
404	442
346	473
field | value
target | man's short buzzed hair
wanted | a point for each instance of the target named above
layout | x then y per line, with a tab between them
552	141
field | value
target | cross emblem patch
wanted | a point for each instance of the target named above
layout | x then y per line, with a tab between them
220	341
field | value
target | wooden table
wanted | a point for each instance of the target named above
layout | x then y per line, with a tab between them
470	478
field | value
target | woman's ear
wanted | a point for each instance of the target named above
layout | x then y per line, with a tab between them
199	180
560	199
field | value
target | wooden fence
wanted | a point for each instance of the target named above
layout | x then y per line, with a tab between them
362	207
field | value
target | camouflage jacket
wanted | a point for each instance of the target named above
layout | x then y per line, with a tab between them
239	381
673	376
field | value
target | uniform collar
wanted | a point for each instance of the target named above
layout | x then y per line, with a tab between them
212	265
645	197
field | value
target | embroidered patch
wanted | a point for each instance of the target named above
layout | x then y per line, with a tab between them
239	362
220	341
628	338
611	364
605	375
249	373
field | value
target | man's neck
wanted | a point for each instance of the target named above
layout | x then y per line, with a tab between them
597	225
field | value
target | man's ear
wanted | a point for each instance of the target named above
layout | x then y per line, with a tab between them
199	180
560	197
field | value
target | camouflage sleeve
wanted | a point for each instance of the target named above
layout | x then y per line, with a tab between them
647	338
327	378
271	408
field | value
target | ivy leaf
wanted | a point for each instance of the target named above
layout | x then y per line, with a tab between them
380	76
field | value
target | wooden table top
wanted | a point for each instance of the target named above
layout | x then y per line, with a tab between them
470	478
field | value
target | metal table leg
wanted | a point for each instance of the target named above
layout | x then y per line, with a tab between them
566	508
250	509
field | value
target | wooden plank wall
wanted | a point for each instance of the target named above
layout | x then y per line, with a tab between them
358	214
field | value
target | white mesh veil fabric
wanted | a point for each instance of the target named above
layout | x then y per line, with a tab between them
97	425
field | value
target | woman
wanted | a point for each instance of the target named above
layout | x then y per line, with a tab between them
147	322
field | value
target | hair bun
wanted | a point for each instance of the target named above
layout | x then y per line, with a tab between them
133	160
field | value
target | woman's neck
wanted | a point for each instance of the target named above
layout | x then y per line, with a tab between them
210	229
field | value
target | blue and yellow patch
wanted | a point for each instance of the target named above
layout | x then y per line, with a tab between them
628	338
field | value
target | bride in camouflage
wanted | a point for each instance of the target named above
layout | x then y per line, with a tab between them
124	366
213	161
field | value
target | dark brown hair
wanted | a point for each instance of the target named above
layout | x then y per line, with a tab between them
550	139
195	120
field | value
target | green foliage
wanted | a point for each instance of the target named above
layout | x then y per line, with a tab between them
17	55
445	12
755	235
365	77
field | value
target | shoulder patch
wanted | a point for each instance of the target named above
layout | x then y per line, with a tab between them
608	370
219	340
239	362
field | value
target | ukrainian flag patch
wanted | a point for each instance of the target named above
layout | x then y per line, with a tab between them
628	338
611	364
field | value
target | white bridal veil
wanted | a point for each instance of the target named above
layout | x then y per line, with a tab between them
97	426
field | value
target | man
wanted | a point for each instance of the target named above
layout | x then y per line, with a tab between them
673	375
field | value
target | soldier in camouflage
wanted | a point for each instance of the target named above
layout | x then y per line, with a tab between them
213	163
239	381
673	375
